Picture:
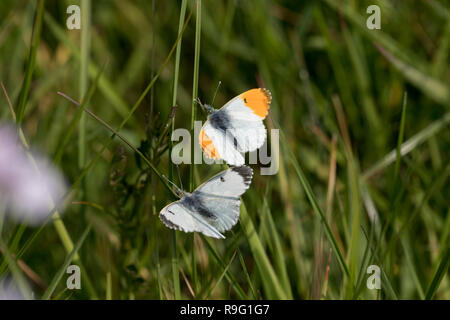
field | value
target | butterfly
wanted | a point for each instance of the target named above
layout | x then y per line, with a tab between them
213	207
237	127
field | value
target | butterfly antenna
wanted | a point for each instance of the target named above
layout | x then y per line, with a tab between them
215	93
179	191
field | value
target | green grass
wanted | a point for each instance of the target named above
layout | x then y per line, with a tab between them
198	31
175	273
364	136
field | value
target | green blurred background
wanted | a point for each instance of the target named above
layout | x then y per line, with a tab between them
338	90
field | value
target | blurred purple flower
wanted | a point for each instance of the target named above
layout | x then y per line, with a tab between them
9	290
28	184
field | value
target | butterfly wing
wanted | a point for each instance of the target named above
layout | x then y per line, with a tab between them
246	113
217	144
237	127
252	105
213	207
180	217
219	196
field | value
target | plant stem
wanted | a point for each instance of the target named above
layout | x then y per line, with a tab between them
198	28
175	272
31	62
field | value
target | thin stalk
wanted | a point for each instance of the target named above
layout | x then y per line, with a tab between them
16	272
198	28
400	140
440	273
83	82
108	286
51	288
173	238
431	130
31	62
391	219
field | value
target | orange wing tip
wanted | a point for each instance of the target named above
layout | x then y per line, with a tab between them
208	146
258	100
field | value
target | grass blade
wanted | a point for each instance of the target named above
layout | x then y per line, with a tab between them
409	145
314	203
51	288
17	273
75	120
277	251
173	234
262	261
441	271
219	280
198	31
228	275
31	62
433	88
85	48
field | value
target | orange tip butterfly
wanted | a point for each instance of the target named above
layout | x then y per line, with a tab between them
237	127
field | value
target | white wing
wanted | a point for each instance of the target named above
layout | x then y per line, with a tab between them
252	105
240	110
250	135
224	144
219	196
232	182
244	125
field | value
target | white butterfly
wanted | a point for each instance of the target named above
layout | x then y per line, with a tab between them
213	207
237	127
